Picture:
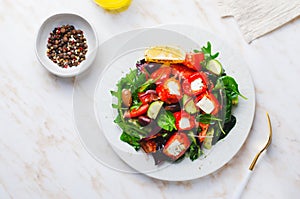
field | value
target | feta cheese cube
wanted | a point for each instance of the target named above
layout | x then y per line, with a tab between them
175	148
206	105
184	123
197	84
173	88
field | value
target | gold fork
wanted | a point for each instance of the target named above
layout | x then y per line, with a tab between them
265	147
239	191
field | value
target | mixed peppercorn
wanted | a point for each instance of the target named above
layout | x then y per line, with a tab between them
67	46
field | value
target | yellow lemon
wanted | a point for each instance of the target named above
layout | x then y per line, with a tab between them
164	54
113	5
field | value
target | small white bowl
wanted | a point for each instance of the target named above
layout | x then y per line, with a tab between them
79	23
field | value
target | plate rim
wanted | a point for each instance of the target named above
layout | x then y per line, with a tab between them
152	174
253	108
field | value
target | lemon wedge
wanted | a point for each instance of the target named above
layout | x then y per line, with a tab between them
164	54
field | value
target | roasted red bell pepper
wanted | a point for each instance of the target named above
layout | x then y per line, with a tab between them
208	103
170	91
182	71
202	133
176	145
196	84
137	112
193	60
184	121
161	74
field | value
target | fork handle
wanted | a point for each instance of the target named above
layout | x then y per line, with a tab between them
239	191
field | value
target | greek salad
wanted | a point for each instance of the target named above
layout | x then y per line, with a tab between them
176	107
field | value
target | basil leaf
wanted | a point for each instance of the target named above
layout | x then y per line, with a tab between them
231	87
166	120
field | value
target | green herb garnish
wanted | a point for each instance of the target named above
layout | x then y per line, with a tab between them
231	88
207	118
131	140
166	120
131	81
194	151
207	52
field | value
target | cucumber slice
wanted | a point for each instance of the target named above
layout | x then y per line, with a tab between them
154	109
207	143
185	98
188	104
215	67
190	107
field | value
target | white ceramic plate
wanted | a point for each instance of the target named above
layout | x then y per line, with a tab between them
124	58
44	33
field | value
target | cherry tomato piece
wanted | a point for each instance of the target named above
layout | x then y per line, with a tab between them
137	112
193	60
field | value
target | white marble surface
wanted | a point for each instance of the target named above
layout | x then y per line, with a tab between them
41	155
